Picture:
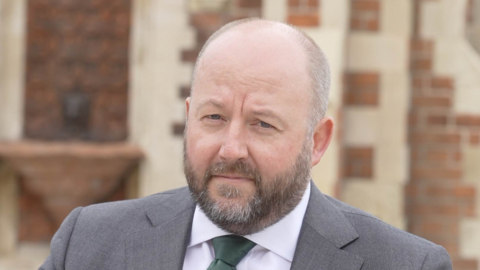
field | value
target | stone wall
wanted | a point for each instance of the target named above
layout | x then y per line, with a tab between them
444	129
12	40
375	104
331	35
12	36
160	32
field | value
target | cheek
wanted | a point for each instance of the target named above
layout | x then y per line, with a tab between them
273	158
201	148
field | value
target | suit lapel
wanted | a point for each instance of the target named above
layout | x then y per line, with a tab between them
325	230
163	245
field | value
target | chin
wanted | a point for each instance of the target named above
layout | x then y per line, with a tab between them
233	192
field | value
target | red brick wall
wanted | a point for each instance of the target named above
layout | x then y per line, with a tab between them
304	13
361	89
436	197
469	12
358	162
77	51
365	15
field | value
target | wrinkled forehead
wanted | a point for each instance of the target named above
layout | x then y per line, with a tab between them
268	52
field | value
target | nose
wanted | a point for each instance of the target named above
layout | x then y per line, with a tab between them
234	144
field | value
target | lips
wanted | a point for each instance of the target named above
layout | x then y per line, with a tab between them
232	177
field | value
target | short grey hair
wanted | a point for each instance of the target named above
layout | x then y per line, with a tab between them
318	66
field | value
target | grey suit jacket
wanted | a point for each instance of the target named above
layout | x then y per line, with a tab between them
153	232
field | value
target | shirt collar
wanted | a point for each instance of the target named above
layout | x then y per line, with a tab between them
203	229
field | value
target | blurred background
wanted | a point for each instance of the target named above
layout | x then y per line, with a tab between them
92	109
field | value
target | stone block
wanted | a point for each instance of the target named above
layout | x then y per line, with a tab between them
391	163
384	201
275	10
12	68
396	17
470	238
334	15
466	69
373	52
207	5
29	256
361	126
160	31
443	19
471	170
447	57
393	108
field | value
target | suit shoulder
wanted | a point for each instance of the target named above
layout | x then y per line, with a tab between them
94	237
370	225
380	243
127	214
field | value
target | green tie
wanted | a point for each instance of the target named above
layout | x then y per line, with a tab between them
229	251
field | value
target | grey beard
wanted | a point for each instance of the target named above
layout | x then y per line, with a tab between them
273	199
229	212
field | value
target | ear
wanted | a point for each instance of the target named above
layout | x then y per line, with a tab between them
322	135
187	107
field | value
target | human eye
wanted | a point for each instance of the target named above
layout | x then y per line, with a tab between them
265	125
213	120
214	117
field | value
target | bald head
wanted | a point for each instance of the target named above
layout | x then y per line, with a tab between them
254	126
279	47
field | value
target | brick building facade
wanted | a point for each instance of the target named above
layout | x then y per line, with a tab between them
405	94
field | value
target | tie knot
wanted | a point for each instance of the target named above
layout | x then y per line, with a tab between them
231	248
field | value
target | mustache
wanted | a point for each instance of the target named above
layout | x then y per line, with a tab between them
239	167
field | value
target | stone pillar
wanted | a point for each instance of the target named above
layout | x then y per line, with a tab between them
375	106
12	40
159	32
12	55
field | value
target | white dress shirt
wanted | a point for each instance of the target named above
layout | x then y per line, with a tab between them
275	245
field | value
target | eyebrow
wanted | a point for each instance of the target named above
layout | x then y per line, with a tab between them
259	112
210	102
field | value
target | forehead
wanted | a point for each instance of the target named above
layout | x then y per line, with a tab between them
262	56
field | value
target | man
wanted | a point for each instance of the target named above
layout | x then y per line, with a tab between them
255	126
